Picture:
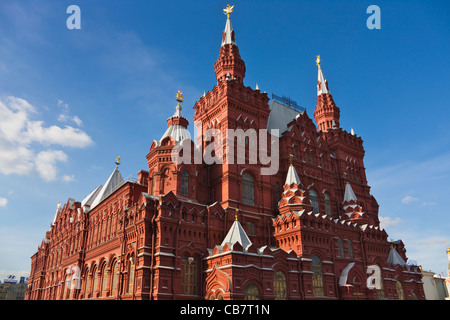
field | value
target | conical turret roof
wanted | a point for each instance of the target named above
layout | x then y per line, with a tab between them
236	234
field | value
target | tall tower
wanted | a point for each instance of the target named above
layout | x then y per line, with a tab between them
232	106
229	65
326	113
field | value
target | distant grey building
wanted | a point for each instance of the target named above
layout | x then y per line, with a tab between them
11	290
434	286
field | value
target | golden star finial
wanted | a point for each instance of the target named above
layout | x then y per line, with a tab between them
291	158
117	161
228	10
318	61
180	96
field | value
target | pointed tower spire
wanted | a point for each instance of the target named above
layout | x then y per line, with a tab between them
229	66
327	113
294	196
322	84
228	33
352	209
292	177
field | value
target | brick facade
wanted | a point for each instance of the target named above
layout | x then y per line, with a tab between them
311	231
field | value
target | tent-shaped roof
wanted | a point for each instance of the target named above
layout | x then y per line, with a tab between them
114	182
394	258
87	201
292	177
236	234
349	195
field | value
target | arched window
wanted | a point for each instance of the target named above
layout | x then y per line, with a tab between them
104	280
185	183
94	284
248	189
327	204
279	285
317	276
115	277
400	291
131	275
88	284
314	201
251	292
189	274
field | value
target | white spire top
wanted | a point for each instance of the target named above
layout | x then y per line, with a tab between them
228	28
292	177
349	194
322	85
178	113
236	234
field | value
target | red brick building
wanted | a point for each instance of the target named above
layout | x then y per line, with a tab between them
224	230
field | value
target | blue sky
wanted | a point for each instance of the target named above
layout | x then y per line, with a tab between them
71	101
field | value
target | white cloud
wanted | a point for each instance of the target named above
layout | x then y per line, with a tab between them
24	143
426	204
77	121
65	116
68	178
387	222
3	202
46	163
408	199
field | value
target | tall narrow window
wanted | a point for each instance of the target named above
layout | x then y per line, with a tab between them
248	189
400	294
350	249
153	185
251	292
317	276
185	183
314	201
279	285
131	276
115	277
104	280
341	248
327	205
88	284
94	284
189	275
